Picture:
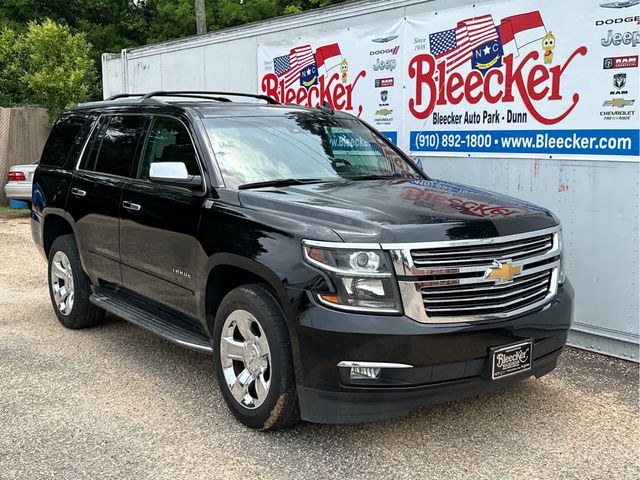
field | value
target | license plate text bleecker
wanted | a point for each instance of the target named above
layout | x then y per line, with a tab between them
511	359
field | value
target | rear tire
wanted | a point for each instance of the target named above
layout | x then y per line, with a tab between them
69	286
252	359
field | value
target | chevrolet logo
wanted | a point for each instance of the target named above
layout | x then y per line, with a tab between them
503	272
618	102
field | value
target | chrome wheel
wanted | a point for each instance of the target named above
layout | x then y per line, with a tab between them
62	282
245	359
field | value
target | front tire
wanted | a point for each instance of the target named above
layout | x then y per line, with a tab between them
69	286
252	359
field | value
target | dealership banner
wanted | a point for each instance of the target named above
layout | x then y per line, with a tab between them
524	77
355	69
527	78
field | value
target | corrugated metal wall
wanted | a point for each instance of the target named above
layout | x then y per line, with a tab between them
596	200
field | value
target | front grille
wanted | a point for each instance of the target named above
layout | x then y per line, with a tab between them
449	281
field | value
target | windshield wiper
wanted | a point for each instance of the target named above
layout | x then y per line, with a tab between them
373	177
281	182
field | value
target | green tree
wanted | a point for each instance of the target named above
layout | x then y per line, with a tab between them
13	90
46	65
166	20
230	13
111	25
298	6
59	69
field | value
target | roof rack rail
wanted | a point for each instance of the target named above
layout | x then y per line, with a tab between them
144	98
123	95
200	93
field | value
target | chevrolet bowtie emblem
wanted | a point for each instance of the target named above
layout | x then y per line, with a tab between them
618	102
502	272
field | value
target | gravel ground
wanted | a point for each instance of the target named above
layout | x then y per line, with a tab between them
117	402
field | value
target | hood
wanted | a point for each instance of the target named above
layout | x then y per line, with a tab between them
402	210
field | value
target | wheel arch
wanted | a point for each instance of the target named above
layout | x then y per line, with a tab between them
227	271
53	226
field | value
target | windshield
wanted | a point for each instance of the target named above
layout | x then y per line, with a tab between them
301	146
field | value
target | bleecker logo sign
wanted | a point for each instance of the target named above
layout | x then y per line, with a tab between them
312	78
500	69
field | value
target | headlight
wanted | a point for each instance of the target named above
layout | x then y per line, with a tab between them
562	274
363	278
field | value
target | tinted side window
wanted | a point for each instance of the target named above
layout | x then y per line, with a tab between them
117	144
65	140
169	141
89	159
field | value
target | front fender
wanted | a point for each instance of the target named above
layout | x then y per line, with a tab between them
266	245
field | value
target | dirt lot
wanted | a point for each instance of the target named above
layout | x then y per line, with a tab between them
117	402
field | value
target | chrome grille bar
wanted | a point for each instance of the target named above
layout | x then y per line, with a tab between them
485	307
515	255
519	291
490	286
491	249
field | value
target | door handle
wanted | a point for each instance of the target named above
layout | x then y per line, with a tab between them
134	207
78	193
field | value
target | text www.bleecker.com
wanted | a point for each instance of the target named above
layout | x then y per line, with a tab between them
594	142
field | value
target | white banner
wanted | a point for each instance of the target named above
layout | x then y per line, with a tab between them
518	78
355	70
524	77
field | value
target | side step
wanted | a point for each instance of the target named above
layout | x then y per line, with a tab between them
176	328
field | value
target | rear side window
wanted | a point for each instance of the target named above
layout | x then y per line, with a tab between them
65	140
114	150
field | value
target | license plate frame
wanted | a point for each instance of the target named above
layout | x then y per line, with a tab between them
508	360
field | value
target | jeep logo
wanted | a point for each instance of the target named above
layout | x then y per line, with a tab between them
385	65
626	38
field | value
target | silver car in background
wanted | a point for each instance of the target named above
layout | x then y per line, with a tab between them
19	182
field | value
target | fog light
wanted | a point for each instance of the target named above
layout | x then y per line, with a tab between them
357	373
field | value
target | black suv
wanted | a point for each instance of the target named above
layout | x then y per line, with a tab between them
331	279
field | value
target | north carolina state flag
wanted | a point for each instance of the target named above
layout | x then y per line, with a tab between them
521	29
328	56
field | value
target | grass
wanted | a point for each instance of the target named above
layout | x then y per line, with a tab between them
7	212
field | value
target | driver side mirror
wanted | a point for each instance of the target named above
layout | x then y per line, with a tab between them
173	172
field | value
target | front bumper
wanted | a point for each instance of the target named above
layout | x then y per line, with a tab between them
18	191
450	361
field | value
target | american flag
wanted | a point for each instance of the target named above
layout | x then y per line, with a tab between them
289	66
456	45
